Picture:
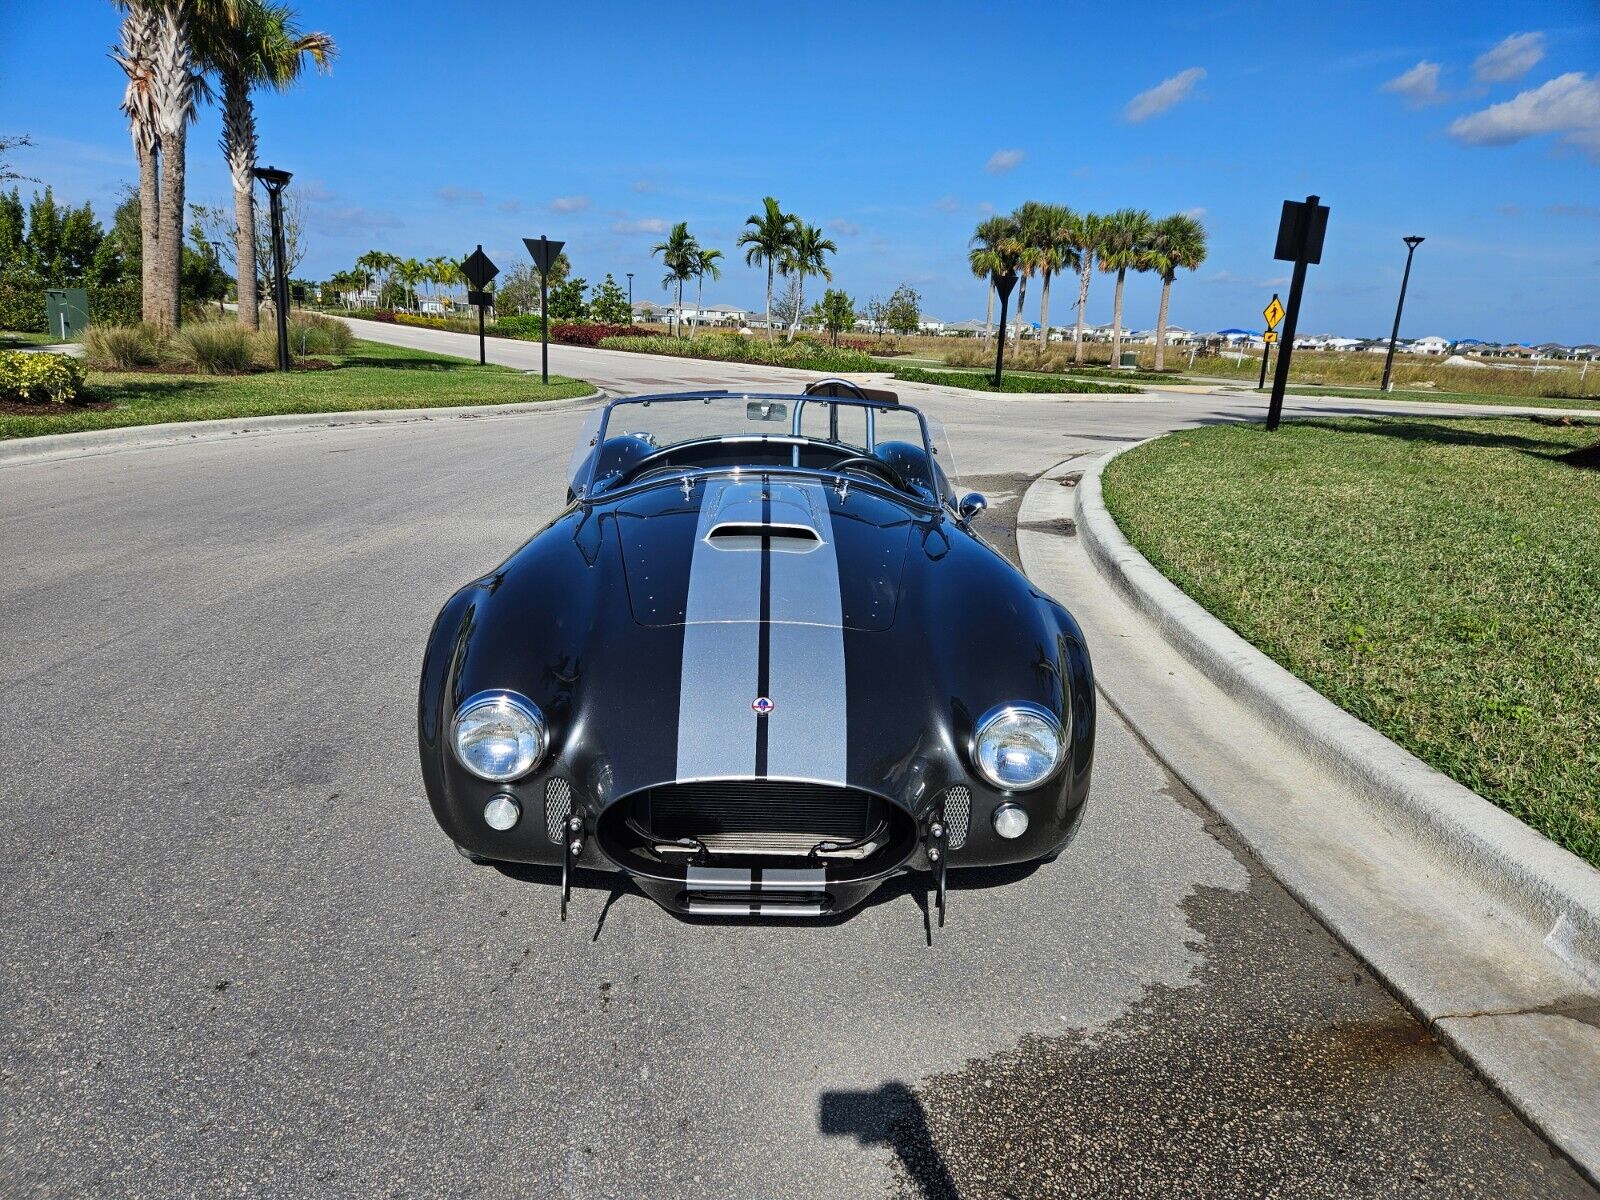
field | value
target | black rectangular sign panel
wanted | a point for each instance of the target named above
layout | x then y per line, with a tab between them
1292	230
481	299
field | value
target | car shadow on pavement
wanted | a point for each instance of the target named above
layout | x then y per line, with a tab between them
890	1116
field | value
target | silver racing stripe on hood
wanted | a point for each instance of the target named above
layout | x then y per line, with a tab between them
760	622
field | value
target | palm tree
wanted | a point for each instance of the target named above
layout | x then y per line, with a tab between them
704	263
807	254
1046	228
1178	242
251	44
1027	222
983	258
679	254
178	88
771	233
410	272
379	263
1083	235
1124	240
135	54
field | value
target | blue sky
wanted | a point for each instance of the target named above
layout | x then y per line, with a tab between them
898	126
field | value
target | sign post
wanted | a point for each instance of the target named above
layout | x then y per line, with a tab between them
1003	285
1300	233
479	271
1273	314
544	253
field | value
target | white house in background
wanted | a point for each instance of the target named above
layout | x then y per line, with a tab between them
1432	344
712	316
930	325
1341	343
966	329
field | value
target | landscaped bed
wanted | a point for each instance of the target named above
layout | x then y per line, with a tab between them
372	376
1429	396
1050	384
1438	578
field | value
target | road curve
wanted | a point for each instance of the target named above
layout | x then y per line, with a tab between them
239	958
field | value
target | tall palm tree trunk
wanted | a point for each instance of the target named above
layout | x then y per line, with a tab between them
800	303
680	307
174	107
149	231
239	145
769	300
988	314
1083	303
1116	320
699	302
1161	322
1016	322
1044	313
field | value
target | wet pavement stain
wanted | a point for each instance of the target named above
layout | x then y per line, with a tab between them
1284	1070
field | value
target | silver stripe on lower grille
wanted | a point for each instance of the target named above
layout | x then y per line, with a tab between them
715	879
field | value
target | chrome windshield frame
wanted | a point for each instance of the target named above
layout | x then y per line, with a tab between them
582	489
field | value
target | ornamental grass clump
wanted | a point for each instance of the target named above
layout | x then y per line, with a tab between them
39	378
313	334
216	347
120	347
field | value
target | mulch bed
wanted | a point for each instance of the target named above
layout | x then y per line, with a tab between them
44	408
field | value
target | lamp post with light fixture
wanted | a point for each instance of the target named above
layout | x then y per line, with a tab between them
275	181
1388	363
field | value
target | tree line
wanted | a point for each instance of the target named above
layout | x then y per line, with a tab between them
1046	240
177	54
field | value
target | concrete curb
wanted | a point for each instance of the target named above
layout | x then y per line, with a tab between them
1556	893
55	446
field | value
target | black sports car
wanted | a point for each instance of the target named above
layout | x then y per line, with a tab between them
761	663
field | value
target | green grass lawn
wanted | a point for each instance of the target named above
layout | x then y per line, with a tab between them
373	376
12	340
1438	578
1012	382
1591	403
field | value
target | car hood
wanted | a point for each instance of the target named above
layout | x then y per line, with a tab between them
782	551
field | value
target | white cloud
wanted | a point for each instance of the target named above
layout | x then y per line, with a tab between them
947	204
1419	85
1510	59
569	204
451	194
1589	212
1002	161
844	228
644	185
1230	279
1568	104
510	206
645	225
1164	95
1199	214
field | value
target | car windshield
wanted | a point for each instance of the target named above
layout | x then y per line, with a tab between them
631	439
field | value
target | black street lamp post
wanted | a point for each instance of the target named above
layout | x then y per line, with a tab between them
1394	335
630	295
275	181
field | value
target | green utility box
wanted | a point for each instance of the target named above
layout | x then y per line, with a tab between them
66	312
1130	358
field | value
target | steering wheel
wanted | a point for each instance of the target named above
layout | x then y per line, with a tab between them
873	465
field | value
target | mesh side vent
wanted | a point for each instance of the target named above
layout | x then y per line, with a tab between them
557	806
957	813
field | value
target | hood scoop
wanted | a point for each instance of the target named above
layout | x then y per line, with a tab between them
748	535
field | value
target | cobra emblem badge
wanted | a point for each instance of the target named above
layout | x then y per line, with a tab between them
763	705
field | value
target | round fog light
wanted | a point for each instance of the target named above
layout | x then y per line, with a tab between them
1010	821
502	812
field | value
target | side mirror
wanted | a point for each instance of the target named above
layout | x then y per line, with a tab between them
766	410
971	505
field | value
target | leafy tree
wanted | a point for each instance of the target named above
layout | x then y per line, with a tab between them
566	300
1124	241
9	143
704	263
770	234
608	303
835	312
806	254
990	249
878	314
904	310
13	230
116	259
679	254
1177	243
517	289
250	44
786	305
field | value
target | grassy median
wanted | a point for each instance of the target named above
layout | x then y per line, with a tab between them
1010	382
1438	578
373	376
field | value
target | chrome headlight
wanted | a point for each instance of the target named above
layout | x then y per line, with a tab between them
498	736
1018	746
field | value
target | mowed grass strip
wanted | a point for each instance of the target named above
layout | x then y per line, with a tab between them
1437	578
1050	384
374	376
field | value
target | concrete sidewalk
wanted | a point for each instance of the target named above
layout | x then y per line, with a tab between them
1452	950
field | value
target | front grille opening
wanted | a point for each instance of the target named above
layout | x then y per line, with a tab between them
756	821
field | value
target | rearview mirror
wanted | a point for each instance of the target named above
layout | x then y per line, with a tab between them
971	505
766	410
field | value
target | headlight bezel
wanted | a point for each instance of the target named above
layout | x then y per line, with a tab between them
1018	708
502	699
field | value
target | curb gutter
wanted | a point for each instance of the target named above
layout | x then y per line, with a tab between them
55	446
1550	888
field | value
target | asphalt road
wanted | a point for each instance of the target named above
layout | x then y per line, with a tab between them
240	959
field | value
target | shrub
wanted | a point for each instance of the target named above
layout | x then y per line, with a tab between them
118	347
519	325
22	302
217	347
313	334
592	334
1010	383
803	353
39	378
386	315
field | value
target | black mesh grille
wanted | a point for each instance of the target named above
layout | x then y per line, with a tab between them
757	806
